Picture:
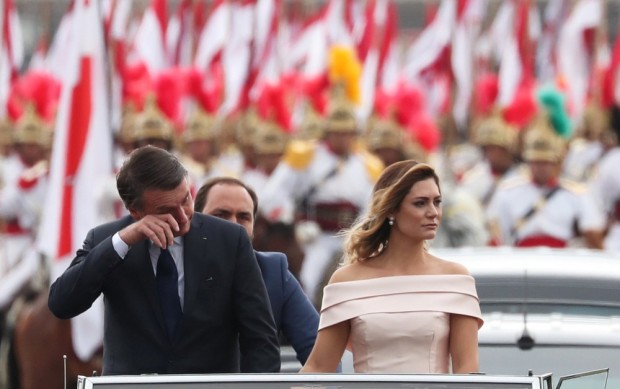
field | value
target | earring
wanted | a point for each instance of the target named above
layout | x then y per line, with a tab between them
391	221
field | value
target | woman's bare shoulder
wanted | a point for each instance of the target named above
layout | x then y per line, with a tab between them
450	267
345	273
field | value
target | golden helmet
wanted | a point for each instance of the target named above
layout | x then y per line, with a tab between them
341	116
151	123
247	127
200	126
389	135
312	125
269	139
495	131
595	121
31	128
384	134
542	143
413	150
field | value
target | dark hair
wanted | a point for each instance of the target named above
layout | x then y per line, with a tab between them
148	167
203	192
369	236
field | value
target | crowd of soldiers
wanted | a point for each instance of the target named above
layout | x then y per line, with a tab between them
502	185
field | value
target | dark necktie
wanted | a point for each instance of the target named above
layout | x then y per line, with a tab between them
168	291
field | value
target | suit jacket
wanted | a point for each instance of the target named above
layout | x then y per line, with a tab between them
293	312
225	303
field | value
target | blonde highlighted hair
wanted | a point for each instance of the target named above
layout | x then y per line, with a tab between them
368	237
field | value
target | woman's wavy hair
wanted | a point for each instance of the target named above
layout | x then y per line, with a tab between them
368	237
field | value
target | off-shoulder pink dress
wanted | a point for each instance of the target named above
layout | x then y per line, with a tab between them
400	324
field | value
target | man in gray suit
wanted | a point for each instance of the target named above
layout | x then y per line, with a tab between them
181	289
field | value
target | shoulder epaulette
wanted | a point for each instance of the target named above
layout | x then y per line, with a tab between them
573	186
374	165
513	182
578	143
299	153
191	165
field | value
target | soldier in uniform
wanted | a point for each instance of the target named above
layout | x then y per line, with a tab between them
498	142
200	148
269	145
542	210
325	184
586	149
21	202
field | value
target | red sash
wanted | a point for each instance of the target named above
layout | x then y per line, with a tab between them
541	241
12	227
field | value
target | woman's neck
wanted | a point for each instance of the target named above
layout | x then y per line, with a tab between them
404	254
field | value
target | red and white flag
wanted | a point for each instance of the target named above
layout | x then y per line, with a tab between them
214	35
309	47
150	40
426	60
340	17
266	67
117	20
469	21
237	55
37	60
430	44
377	51
506	46
574	57
56	55
11	50
554	15
81	155
180	35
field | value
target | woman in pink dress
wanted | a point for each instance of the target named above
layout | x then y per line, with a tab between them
398	308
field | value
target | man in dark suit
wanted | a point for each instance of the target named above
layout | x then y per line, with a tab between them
294	314
182	291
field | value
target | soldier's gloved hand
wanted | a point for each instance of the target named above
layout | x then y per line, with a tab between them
306	231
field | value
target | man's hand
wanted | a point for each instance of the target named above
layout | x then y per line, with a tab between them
158	228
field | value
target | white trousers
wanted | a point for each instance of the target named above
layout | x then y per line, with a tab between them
320	254
18	263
